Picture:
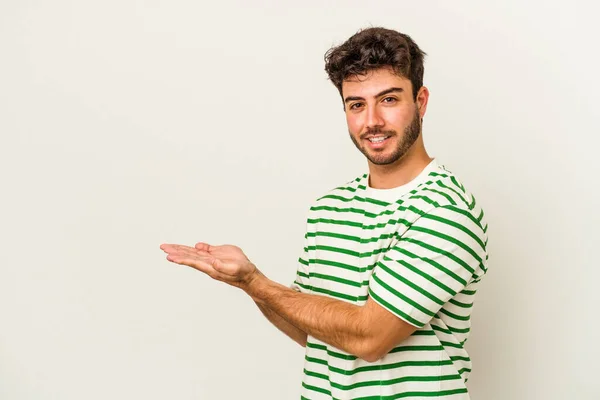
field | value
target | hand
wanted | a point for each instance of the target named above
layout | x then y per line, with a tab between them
225	263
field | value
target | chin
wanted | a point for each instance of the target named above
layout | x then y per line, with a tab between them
382	160
387	159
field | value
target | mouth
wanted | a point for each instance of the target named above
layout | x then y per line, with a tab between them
377	141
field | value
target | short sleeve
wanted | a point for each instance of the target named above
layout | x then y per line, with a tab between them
436	258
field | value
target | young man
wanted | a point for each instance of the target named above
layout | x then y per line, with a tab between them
384	289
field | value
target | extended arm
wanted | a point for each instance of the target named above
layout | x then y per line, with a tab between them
432	262
368	332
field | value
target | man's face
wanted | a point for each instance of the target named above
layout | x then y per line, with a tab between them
383	119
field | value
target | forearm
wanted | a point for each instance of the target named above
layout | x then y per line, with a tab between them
335	322
284	326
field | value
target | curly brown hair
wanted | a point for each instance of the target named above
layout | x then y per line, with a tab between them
374	48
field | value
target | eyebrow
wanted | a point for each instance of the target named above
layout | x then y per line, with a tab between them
387	91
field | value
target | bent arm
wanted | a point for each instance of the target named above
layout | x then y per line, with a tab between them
297	335
368	332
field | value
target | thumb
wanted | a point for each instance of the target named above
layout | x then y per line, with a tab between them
229	269
203	246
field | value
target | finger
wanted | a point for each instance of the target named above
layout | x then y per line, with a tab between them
181	249
175	246
171	247
203	247
205	265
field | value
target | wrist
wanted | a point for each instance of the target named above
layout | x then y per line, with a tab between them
252	283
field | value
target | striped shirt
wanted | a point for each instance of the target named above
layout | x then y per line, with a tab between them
419	251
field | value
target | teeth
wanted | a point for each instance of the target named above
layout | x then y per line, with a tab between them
377	139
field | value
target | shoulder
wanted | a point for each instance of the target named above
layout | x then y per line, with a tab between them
443	197
442	188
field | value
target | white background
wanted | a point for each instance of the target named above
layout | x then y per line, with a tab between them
125	124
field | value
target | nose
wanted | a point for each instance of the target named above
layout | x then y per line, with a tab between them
374	119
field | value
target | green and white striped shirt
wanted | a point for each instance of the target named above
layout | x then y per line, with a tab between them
418	250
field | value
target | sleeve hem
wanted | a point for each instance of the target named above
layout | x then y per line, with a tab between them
397	312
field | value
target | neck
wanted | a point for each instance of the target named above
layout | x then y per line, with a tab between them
401	172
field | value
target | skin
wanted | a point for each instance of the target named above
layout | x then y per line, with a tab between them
378	103
371	106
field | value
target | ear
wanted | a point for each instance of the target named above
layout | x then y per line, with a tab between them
422	100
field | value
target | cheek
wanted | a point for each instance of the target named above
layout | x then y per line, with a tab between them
354	123
397	118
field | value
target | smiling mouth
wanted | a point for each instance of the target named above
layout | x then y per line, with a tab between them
378	139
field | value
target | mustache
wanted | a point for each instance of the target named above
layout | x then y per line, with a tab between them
376	132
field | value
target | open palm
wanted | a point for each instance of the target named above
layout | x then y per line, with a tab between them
225	263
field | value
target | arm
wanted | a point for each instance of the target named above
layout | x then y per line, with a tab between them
430	264
368	331
290	330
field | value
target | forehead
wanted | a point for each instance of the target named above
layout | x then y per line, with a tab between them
373	82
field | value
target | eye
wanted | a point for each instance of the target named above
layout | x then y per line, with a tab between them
389	100
355	106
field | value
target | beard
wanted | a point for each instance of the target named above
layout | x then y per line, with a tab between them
411	134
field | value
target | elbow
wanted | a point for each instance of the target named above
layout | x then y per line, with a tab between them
373	356
371	351
375	348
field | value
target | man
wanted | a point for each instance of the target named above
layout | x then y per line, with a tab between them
384	289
